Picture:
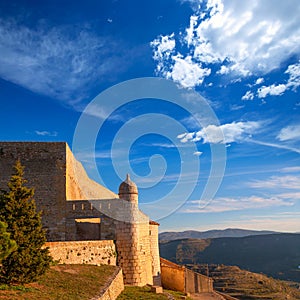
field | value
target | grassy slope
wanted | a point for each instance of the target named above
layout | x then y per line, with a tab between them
74	282
277	255
64	282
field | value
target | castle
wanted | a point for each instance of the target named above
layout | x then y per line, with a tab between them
78	212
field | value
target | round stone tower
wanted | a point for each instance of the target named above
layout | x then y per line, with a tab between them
128	191
132	238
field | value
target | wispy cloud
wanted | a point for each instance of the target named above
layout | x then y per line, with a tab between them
288	222
277	182
65	62
289	133
291	169
236	37
225	204
274	145
46	133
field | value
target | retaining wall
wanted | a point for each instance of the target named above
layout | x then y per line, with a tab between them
113	288
84	252
172	276
197	283
179	278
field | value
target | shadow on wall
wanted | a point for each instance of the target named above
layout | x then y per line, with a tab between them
179	278
88	229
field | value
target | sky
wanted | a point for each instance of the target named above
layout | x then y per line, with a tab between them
197	100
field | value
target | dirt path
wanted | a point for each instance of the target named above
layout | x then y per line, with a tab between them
207	296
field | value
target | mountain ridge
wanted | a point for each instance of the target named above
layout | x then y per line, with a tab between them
214	233
277	255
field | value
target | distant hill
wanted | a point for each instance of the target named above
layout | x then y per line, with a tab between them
243	284
210	234
277	255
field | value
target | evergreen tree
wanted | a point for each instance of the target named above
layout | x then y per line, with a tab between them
7	245
18	211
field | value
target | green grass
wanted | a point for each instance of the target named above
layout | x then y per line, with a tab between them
63	282
144	293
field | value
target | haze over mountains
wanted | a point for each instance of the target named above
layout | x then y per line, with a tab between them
276	255
193	234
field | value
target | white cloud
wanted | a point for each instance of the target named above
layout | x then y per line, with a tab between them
59	62
187	72
294	74
164	46
293	83
224	70
259	81
289	133
198	153
277	182
248	96
183	69
224	204
226	133
241	37
272	90
46	133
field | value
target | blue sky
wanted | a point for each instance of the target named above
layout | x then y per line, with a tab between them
242	58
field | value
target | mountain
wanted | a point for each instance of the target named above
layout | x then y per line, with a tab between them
192	234
277	255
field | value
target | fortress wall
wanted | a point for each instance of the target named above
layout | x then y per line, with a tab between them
79	189
133	253
154	249
79	186
45	170
197	283
179	278
83	252
115	287
172	276
145	253
126	245
83	209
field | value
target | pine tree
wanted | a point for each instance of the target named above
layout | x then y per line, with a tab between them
7	245
18	211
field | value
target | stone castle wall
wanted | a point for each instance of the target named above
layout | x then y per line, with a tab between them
45	169
179	278
172	276
154	250
145	253
84	252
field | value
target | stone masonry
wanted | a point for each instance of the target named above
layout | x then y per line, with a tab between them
76	208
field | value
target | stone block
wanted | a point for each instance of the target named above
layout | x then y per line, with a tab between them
156	289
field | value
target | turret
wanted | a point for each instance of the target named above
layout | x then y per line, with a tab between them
128	191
